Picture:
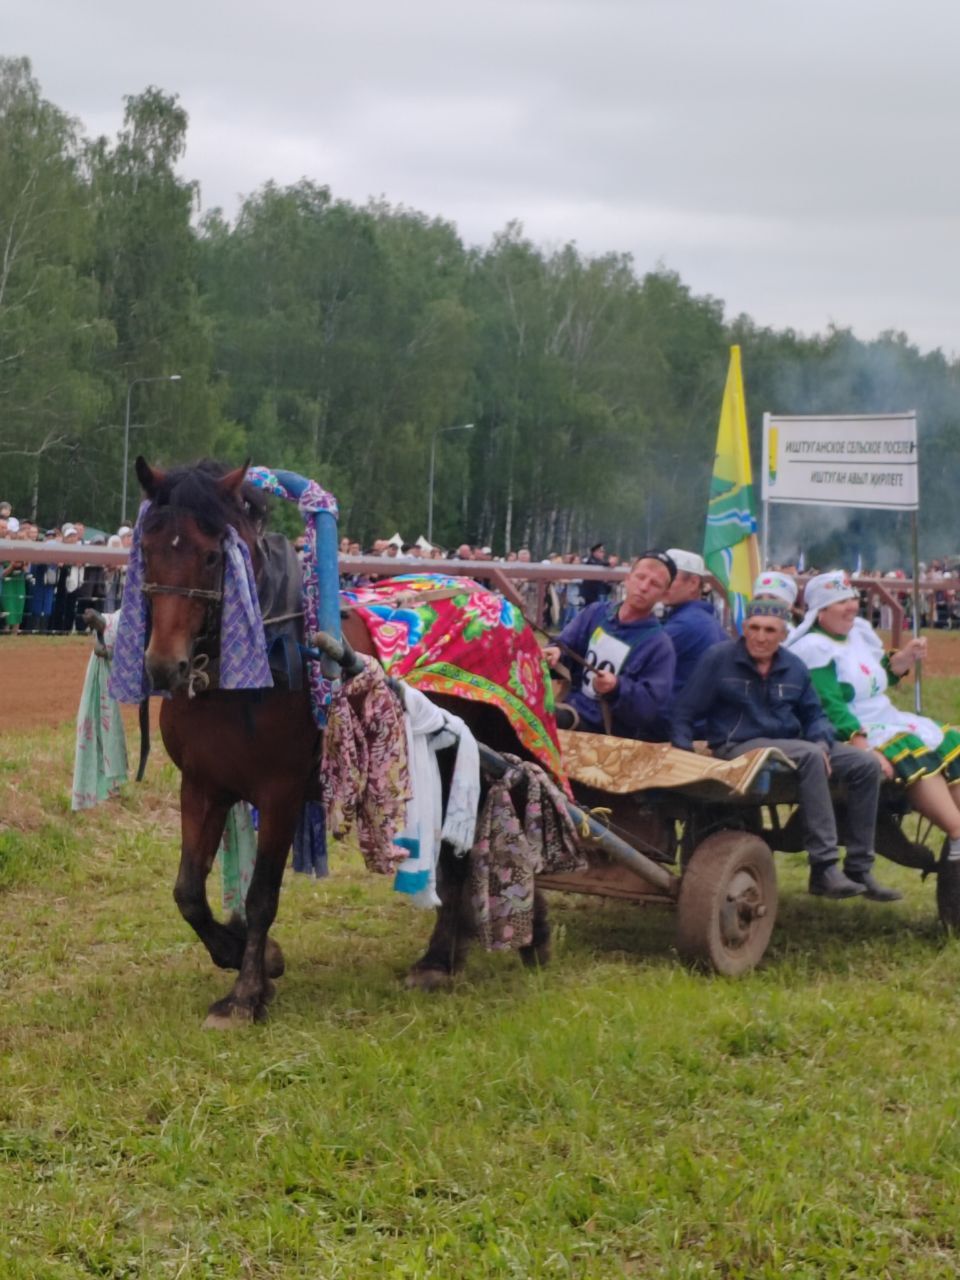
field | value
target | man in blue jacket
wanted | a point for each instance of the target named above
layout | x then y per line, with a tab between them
753	693
629	657
691	622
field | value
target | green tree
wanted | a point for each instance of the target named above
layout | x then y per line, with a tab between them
343	339
51	337
146	265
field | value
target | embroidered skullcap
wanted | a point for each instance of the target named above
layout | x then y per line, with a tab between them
822	591
687	561
665	558
768	608
778	585
828	588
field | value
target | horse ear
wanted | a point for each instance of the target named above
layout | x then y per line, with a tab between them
150	479
231	484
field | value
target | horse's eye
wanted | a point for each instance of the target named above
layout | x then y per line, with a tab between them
212	559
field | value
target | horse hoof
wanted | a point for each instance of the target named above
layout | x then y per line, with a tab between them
535	957
227	1015
273	959
227	1021
428	980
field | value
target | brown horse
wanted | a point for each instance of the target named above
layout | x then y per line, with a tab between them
260	745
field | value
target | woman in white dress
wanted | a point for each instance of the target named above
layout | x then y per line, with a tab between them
851	674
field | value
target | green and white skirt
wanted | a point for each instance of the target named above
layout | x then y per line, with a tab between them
912	759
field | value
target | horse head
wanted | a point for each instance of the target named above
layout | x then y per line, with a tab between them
182	539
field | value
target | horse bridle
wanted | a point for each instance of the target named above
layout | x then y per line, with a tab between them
199	678
198	593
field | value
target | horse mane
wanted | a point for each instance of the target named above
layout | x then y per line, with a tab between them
194	491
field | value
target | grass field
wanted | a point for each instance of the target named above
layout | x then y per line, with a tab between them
613	1115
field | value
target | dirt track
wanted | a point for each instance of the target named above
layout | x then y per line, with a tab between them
41	677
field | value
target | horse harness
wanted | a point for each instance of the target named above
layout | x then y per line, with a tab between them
200	675
199	678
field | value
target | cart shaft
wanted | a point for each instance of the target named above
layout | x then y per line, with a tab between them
611	844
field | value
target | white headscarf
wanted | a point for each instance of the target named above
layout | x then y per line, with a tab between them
823	590
779	586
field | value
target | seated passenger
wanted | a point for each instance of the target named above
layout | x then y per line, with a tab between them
754	693
629	658
691	622
851	674
774	585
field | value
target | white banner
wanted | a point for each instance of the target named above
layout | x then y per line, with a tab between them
861	461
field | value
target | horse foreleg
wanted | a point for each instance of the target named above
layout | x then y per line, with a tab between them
253	990
537	953
446	951
203	815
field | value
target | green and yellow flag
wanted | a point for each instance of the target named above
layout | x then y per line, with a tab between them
730	543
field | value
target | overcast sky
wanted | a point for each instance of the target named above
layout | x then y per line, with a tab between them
798	160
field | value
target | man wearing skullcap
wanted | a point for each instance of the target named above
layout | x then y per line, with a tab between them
773	585
753	693
691	622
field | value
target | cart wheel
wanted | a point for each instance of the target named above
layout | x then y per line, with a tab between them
948	891
727	903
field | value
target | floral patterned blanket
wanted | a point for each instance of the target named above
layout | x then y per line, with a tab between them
450	635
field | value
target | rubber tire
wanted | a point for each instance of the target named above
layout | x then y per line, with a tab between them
948	891
726	860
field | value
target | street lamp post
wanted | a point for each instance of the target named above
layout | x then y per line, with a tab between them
467	426
165	377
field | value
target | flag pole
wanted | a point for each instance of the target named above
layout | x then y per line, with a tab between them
918	674
765	540
765	505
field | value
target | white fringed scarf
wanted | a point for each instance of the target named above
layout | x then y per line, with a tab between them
429	730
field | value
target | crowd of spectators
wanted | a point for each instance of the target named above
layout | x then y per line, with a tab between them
40	597
939	607
552	606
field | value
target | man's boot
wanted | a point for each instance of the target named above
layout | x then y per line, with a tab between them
875	891
828	881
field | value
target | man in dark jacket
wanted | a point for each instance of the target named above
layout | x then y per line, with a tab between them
629	657
592	589
753	693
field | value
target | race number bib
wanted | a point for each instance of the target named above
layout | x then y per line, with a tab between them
606	653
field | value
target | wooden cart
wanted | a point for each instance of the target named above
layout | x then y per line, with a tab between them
684	831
